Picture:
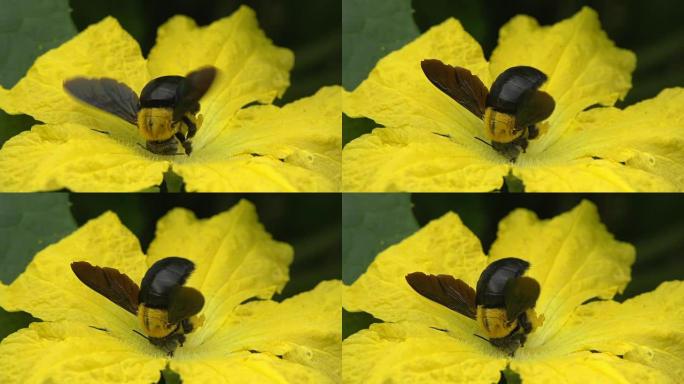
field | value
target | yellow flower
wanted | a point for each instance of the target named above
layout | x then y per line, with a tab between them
574	259
260	341
260	148
428	143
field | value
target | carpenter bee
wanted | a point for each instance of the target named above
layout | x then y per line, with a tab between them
166	309
166	113
510	110
503	303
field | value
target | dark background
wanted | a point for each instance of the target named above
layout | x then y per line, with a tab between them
308	222
653	223
652	29
310	28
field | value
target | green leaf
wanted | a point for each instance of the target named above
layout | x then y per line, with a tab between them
153	189
29	223
173	182
27	29
371	223
370	30
11	322
169	377
512	184
510	376
353	128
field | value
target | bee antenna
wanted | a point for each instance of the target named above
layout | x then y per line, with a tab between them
475	334
477	138
144	337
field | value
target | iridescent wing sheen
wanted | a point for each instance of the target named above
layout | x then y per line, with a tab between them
110	283
446	290
107	95
457	82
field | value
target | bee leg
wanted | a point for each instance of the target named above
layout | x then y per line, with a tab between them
192	127
525	323
186	325
187	145
532	132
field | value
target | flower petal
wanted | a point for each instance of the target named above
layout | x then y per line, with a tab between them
411	353
589	175
585	367
235	258
103	49
607	326
267	148
572	256
250	67
647	137
584	66
72	156
247	173
66	352
247	368
397	93
413	159
443	246
49	290
304	329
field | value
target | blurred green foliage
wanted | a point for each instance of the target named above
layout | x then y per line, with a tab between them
371	30
653	223
371	223
29	223
10	322
27	29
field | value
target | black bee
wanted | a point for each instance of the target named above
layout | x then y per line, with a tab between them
503	304
510	110
167	310
166	113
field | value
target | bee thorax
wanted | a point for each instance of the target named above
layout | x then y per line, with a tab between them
155	322
156	124
500	127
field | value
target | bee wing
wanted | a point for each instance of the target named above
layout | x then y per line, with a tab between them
520	294
110	283
191	90
537	108
106	94
184	302
461	85
452	293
